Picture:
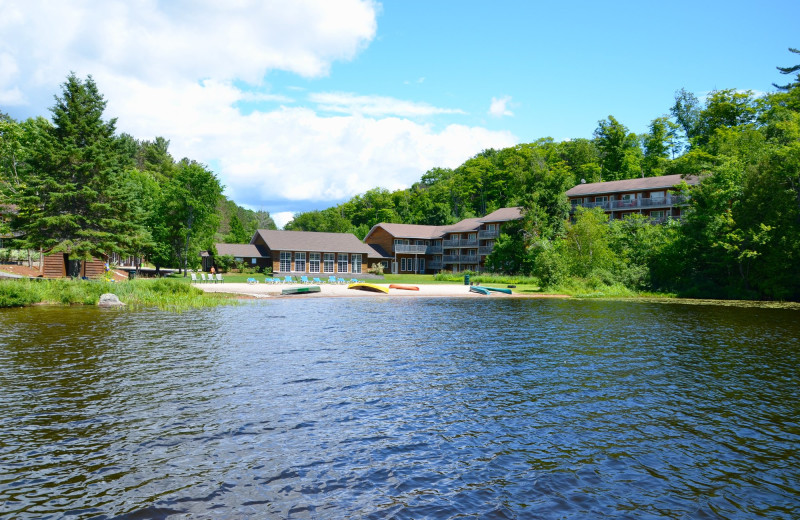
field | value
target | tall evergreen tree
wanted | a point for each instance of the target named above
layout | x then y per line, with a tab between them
74	199
789	70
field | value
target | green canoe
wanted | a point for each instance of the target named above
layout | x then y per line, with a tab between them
499	289
301	290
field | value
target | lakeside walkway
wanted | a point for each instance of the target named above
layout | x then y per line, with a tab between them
263	290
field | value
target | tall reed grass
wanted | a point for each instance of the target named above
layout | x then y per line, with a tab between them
162	293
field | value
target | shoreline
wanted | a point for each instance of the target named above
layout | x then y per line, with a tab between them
262	290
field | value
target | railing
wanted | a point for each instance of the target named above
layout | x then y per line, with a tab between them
415	249
485	250
434	250
450	243
460	259
433	265
669	200
468	243
488	233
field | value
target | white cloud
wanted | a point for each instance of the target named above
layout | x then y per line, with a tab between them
498	107
159	42
179	69
282	218
348	103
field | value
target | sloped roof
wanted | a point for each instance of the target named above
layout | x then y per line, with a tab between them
312	241
423	232
240	250
411	230
503	215
378	252
639	184
468	224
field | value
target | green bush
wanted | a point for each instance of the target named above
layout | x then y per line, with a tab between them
18	293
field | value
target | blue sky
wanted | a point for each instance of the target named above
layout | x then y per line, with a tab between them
301	105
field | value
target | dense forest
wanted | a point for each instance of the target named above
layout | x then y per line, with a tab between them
73	185
741	236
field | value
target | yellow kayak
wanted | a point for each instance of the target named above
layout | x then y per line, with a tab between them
368	287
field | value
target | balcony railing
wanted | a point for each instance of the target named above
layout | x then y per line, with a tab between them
610	205
485	250
488	233
460	259
413	249
434	250
460	243
434	265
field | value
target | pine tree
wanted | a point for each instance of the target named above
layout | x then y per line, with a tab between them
75	199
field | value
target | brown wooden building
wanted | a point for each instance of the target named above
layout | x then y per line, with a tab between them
303	253
58	265
654	197
428	249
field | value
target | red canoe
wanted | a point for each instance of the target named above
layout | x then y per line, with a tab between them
404	287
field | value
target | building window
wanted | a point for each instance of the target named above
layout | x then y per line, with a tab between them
402	264
327	262
657	215
254	261
356	263
313	262
300	262
286	261
656	196
342	263
238	259
421	265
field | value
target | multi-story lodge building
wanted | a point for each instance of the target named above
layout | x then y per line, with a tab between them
425	249
654	197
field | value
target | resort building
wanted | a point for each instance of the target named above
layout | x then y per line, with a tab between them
302	253
427	249
654	197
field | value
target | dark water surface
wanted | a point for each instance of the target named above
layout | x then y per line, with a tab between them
401	408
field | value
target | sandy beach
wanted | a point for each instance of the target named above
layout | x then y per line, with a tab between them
262	290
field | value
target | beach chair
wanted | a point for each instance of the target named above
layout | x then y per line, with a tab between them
203	276
194	278
252	281
304	279
331	279
288	279
317	280
219	278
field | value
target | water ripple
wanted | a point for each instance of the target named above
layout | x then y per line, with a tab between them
408	408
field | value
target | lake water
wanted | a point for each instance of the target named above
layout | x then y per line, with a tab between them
401	408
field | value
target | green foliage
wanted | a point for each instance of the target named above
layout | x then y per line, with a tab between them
237	235
789	70
620	154
73	198
163	293
224	262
